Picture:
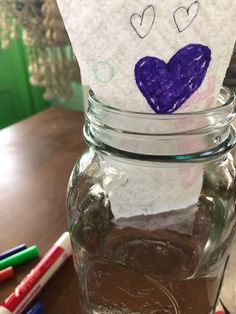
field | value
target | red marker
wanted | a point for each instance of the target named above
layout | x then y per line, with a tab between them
6	274
38	277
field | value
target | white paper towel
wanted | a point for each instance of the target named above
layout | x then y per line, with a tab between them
152	56
110	38
140	188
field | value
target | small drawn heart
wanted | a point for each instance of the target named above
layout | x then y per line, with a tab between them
184	17
167	86
142	24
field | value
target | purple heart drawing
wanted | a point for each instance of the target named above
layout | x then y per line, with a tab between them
167	86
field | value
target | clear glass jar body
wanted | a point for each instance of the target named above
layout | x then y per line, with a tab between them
152	215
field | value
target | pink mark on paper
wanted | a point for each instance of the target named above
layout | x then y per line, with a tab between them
190	175
208	94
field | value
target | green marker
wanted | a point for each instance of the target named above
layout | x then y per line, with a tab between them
20	257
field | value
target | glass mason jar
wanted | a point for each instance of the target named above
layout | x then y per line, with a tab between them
151	209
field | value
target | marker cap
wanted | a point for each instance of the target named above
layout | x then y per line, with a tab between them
12	251
36	309
6	274
32	284
20	257
65	242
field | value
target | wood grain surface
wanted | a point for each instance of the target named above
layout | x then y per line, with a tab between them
36	159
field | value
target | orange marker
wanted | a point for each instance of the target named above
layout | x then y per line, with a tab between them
6	274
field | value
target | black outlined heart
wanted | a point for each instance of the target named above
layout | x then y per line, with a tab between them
184	17
142	24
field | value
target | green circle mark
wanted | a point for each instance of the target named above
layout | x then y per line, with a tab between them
96	70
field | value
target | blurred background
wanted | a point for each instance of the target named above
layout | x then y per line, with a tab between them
37	65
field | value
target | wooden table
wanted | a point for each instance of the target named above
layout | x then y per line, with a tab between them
36	159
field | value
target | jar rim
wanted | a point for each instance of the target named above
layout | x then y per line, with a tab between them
226	99
167	137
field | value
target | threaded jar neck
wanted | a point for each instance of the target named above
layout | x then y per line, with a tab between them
179	136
